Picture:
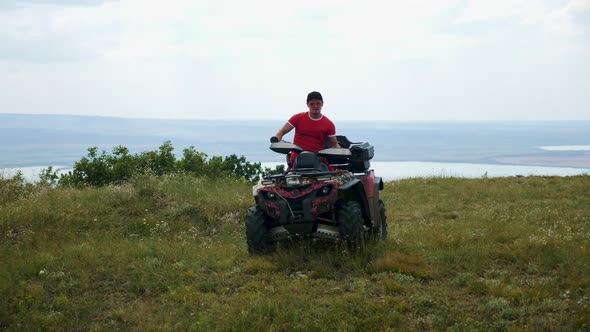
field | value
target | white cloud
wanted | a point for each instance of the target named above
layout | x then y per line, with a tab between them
482	10
555	16
393	59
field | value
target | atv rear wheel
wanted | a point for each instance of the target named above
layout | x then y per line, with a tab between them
257	231
383	227
379	231
351	225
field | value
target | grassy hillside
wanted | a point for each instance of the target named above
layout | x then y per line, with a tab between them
169	253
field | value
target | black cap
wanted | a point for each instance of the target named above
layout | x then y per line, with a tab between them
314	95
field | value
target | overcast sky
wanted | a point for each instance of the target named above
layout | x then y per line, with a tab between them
389	60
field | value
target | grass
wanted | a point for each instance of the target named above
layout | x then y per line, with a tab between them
170	253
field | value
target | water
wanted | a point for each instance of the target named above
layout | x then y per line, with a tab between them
395	170
402	149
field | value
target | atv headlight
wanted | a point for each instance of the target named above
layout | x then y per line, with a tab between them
269	195
325	190
293	180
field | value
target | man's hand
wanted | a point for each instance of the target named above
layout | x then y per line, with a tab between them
274	139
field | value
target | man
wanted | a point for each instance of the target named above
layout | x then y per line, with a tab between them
312	128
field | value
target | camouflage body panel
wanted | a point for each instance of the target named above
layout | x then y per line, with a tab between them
298	203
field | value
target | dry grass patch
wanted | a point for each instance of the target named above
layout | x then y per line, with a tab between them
414	265
258	264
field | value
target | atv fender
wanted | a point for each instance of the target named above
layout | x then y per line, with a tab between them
356	191
373	184
374	201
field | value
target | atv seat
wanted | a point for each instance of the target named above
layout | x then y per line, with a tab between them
342	141
308	161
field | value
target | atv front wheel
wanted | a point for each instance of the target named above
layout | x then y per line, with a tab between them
351	224
256	231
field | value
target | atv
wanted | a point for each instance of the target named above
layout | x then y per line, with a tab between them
312	201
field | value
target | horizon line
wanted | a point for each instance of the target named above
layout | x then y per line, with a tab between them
282	119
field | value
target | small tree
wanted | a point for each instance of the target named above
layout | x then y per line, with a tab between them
192	161
48	177
241	168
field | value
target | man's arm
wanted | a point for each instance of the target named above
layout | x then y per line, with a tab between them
333	142
284	130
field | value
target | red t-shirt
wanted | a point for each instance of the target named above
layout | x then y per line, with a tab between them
310	134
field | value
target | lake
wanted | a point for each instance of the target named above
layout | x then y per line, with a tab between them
402	149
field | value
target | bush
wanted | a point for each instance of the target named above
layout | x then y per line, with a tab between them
119	166
14	188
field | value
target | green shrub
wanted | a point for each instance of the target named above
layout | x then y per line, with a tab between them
100	169
14	188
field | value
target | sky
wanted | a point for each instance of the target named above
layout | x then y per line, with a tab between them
466	60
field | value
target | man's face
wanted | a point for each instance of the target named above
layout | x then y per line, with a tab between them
315	106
